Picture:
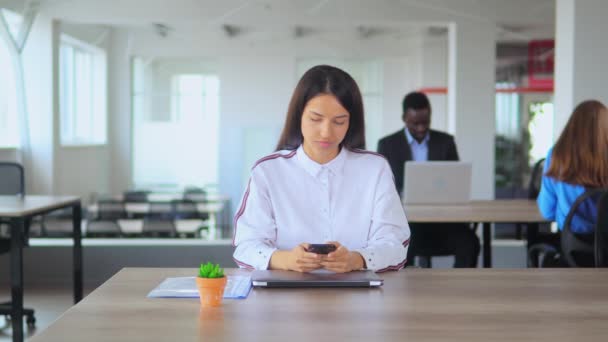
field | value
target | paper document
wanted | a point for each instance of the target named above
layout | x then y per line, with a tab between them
238	287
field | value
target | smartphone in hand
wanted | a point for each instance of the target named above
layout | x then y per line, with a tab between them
321	248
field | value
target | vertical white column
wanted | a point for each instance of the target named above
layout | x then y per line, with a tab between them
580	56
434	75
119	111
471	99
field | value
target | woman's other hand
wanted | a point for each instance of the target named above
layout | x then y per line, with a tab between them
342	260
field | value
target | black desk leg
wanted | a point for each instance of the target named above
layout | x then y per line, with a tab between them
487	245
77	251
17	229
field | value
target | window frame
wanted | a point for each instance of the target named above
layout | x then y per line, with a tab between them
98	103
142	93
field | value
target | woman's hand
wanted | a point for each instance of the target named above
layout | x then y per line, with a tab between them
342	260
297	259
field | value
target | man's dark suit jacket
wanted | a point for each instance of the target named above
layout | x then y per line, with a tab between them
396	149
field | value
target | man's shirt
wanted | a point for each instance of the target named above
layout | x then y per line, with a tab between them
420	151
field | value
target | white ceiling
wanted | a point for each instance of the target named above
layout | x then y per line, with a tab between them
515	20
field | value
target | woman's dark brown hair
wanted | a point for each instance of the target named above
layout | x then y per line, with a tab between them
324	79
580	155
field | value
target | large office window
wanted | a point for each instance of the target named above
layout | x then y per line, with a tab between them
541	129
511	143
9	124
175	123
83	93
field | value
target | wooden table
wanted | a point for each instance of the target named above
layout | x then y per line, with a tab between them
413	305
484	212
18	211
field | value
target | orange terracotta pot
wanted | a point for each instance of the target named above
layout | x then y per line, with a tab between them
211	290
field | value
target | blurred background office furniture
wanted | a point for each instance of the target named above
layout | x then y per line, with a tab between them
19	211
532	229
191	213
105	222
485	212
12	183
572	249
601	232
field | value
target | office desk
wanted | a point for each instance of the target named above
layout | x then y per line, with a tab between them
413	305
484	212
18	211
211	206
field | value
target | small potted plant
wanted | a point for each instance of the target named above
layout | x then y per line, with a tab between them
211	282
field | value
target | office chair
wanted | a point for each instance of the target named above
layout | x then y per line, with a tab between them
185	209
136	196
159	222
575	250
542	247
578	250
12	182
535	179
195	194
106	221
187	218
601	232
533	190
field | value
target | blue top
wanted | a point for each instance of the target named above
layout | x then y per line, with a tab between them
556	198
420	151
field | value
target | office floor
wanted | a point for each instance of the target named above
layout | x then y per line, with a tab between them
48	303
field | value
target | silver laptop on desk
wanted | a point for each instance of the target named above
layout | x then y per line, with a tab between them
435	182
320	278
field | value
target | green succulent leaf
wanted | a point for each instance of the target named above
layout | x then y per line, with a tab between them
210	270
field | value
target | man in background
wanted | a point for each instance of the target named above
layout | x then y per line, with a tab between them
417	142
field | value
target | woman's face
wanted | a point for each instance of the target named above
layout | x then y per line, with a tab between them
324	124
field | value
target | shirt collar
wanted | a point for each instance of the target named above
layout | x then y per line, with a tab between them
410	138
335	165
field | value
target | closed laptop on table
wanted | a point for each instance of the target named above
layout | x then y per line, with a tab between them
321	278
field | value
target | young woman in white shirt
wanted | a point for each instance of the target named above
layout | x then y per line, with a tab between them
320	186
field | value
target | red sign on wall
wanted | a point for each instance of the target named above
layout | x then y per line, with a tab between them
541	57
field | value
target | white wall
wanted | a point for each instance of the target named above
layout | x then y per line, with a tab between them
38	76
398	81
119	112
472	100
434	68
9	154
580	54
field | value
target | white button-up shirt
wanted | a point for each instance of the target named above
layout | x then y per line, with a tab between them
291	199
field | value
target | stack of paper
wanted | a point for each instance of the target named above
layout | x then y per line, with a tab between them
238	287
